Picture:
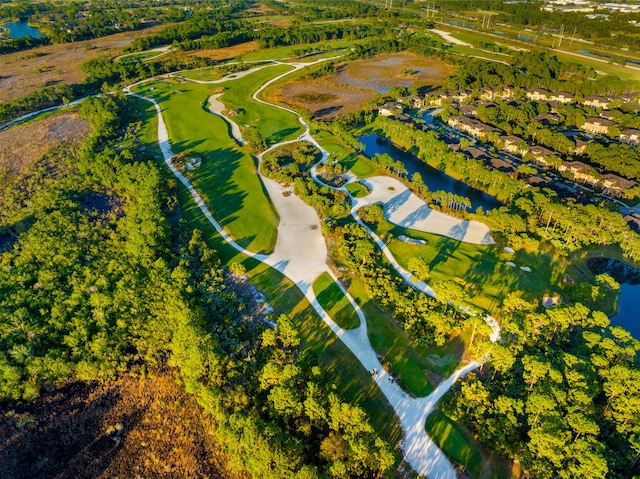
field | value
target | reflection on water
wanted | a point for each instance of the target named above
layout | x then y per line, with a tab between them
628	314
22	29
435	180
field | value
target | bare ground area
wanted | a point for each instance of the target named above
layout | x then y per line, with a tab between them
27	71
357	82
22	145
226	53
129	428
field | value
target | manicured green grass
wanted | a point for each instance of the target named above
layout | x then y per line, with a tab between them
138	56
204	74
334	302
456	443
227	179
358	164
287	52
357	189
351	379
409	361
481	267
275	125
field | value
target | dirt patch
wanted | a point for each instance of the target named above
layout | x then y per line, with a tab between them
131	427
22	145
225	53
359	81
28	71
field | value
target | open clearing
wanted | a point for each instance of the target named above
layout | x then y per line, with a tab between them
22	145
148	425
27	71
358	82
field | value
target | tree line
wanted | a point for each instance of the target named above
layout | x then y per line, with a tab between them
103	278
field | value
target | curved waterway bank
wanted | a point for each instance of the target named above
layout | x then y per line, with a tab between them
628	303
435	179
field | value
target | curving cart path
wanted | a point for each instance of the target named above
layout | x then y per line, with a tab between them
300	253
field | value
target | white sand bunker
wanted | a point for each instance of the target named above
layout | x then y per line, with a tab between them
510	264
405	209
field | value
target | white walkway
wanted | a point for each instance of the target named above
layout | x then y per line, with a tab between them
300	253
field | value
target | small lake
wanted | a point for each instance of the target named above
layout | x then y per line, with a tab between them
628	314
22	29
595	54
435	179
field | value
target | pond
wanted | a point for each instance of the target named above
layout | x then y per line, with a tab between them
628	314
22	29
596	54
435	179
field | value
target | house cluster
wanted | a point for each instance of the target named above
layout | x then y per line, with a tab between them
581	172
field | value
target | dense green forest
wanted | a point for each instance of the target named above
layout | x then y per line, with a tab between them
100	277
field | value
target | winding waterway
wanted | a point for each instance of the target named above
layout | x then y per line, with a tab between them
436	180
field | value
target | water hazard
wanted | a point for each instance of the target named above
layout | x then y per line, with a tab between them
22	29
628	314
435	179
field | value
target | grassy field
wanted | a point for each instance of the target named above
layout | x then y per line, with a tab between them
357	189
275	125
460	446
456	443
334	302
227	179
480	267
351	379
358	164
409	361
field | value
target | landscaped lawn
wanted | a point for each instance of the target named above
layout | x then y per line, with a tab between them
456	443
275	125
357	189
482	268
227	179
351	379
409	361
334	302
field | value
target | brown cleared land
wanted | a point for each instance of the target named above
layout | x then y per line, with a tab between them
132	427
225	53
27	71
357	82
22	145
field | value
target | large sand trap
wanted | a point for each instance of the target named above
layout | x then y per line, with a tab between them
405	209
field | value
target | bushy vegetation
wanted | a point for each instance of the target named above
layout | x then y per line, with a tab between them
560	396
91	290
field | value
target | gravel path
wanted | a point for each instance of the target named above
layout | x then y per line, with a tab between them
300	253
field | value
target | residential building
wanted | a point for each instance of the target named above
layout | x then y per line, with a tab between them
580	171
514	144
391	108
543	155
475	128
596	101
467	110
537	94
615	185
630	136
597	125
561	97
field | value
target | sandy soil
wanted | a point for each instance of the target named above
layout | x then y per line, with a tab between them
449	38
405	209
24	72
358	82
21	145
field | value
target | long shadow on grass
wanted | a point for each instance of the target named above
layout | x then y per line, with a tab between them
281	135
446	247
